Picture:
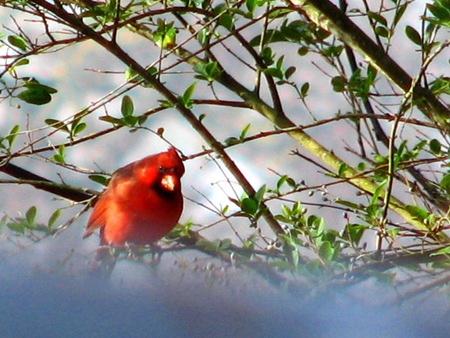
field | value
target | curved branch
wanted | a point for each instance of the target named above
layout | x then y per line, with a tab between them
327	16
39	182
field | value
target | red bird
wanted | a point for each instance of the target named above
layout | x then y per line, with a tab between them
142	203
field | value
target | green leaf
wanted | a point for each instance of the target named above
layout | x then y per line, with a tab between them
399	13
18	41
435	146
166	104
383	32
350	205
12	135
35	84
127	106
78	128
18	63
232	140
244	131
165	35
57	124
130	120
361	166
187	95
31	215
60	156
417	212
36	96
259	195
111	119
326	251
377	192
343	167
16	227
393	232
274	72
53	218
445	182
302	51
377	18
251	5
440	86
304	89
354	232
413	35
441	11
443	251
338	83
207	71
226	20
133	77
289	72
102	179
249	206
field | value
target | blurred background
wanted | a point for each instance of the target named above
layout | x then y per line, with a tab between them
46	289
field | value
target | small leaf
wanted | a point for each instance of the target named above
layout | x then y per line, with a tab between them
326	251
377	18
187	95
259	195
399	13
302	51
274	72
342	169
251	5
289	72
130	120
413	35
102	179
231	141
111	119
16	227
354	232
12	135
304	89
20	62
127	106
36	96
78	128
31	215
338	83
53	218
377	192
166	104
17	41
383	32
59	157
350	205
249	206
34	84
443	251
57	124
244	131
435	147
445	182
226	20
417	212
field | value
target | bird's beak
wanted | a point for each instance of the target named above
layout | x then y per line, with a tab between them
169	182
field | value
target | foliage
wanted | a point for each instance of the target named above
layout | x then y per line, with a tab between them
390	167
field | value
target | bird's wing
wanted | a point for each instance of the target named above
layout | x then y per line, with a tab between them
98	217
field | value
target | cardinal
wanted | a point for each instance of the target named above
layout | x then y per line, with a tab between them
142	202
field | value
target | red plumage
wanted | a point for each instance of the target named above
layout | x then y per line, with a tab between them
142	203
